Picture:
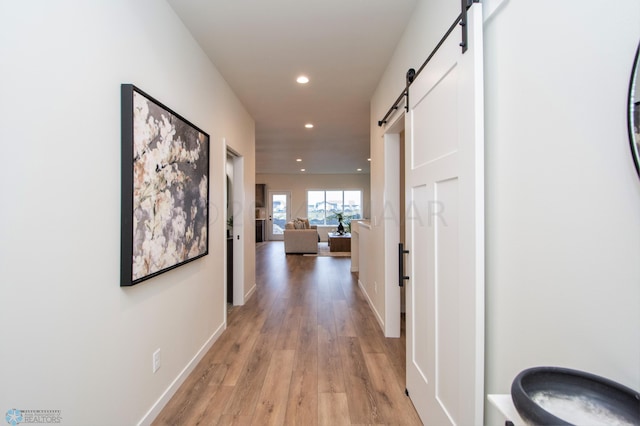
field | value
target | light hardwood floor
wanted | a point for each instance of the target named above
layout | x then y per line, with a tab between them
304	350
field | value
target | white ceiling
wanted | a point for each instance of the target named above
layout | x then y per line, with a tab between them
261	46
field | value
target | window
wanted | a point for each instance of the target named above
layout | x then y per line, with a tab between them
322	206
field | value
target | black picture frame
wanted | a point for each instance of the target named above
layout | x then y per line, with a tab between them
165	188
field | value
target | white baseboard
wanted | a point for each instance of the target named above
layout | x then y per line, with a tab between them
151	415
371	305
250	293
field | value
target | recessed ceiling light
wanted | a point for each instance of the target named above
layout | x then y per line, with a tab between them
368	159
309	126
303	79
298	159
359	170
303	170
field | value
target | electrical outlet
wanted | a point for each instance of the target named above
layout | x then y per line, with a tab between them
156	360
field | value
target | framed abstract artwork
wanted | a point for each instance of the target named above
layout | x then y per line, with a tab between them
165	189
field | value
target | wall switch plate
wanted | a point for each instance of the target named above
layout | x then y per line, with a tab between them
156	360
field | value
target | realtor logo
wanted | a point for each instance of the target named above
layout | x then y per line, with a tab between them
14	417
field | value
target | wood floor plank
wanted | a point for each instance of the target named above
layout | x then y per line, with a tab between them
344	324
309	308
360	393
302	405
330	372
210	410
254	311
271	407
395	406
234	420
238	354
274	320
367	328
326	317
225	344
247	390
335	278
333	409
288	334
396	353
189	396
237	335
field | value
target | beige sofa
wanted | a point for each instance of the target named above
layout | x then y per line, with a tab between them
300	237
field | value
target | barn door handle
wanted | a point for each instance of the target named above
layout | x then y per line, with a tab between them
401	276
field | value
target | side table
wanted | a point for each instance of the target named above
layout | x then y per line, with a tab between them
339	242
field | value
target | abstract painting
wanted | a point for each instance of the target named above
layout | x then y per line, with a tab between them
165	188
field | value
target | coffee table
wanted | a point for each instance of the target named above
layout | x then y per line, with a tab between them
339	242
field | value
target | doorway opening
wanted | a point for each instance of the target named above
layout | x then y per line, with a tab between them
394	219
229	222
279	213
235	227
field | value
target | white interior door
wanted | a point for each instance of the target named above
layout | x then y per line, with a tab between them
445	233
279	213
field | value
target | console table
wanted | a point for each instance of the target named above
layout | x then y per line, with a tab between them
339	242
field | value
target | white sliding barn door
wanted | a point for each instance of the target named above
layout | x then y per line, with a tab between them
445	233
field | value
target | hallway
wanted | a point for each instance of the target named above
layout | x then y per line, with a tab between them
305	350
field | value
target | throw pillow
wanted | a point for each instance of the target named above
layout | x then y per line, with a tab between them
298	224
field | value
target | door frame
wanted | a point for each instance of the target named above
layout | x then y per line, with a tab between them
392	218
239	225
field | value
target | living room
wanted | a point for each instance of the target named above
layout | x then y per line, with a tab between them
302	183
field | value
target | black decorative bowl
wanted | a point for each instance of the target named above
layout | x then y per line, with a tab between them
553	396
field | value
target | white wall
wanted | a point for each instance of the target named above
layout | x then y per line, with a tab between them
73	340
562	195
563	198
298	185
